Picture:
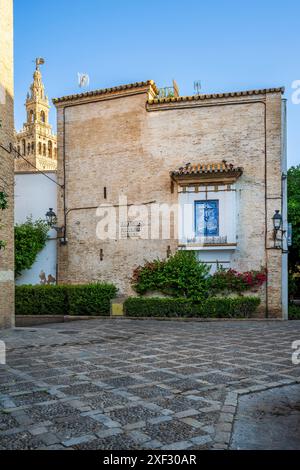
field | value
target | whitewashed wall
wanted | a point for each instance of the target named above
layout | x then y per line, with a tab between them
34	195
212	255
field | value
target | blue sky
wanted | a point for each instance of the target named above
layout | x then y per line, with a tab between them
228	45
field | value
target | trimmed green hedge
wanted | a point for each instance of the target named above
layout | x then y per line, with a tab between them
294	312
90	299
93	299
215	307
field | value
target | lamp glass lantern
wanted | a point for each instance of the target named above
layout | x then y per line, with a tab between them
51	217
277	221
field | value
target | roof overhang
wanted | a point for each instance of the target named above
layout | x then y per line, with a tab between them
211	173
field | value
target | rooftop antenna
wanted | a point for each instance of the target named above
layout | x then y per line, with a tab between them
197	87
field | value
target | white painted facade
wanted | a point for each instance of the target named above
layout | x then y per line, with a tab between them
215	251
34	195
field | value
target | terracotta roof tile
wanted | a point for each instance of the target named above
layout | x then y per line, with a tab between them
105	91
207	168
215	96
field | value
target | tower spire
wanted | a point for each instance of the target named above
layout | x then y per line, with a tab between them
36	140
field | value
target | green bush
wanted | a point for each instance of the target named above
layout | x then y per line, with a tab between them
229	307
30	239
41	300
93	299
181	276
218	307
90	299
294	312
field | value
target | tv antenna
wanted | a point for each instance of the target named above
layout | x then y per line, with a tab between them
197	87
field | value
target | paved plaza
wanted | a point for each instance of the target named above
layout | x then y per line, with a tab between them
130	384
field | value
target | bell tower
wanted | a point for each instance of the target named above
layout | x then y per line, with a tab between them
36	142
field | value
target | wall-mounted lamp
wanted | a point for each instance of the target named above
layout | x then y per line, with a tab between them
51	219
277	224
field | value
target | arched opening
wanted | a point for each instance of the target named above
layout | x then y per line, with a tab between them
50	149
28	148
23	147
43	116
31	116
40	148
44	150
19	149
32	147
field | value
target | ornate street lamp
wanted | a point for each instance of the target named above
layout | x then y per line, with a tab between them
277	220
51	217
277	224
52	221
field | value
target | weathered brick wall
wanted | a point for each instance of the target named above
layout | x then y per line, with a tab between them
6	164
130	148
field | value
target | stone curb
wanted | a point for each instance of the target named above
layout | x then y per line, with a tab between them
224	426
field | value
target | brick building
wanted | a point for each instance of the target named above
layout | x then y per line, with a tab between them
219	159
6	164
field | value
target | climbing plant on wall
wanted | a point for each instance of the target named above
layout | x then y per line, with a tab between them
30	239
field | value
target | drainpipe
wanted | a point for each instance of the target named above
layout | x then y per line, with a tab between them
284	211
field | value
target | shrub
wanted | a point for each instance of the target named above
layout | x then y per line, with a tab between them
181	275
229	307
30	239
294	312
93	299
90	299
239	307
41	300
233	281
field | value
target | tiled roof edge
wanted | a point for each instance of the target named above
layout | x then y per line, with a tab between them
216	95
106	91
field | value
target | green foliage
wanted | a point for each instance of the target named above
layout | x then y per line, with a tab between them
93	299
226	281
225	307
30	239
159	307
3	200
40	300
293	179
294	312
90	299
181	275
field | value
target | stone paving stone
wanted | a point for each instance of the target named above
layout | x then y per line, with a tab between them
104	399
48	412
151	391
67	428
32	398
7	421
168	432
80	389
120	442
159	376
122	382
18	387
20	441
132	414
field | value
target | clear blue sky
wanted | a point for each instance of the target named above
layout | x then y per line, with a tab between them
228	45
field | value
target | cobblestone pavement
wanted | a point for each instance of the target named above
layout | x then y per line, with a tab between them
129	384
